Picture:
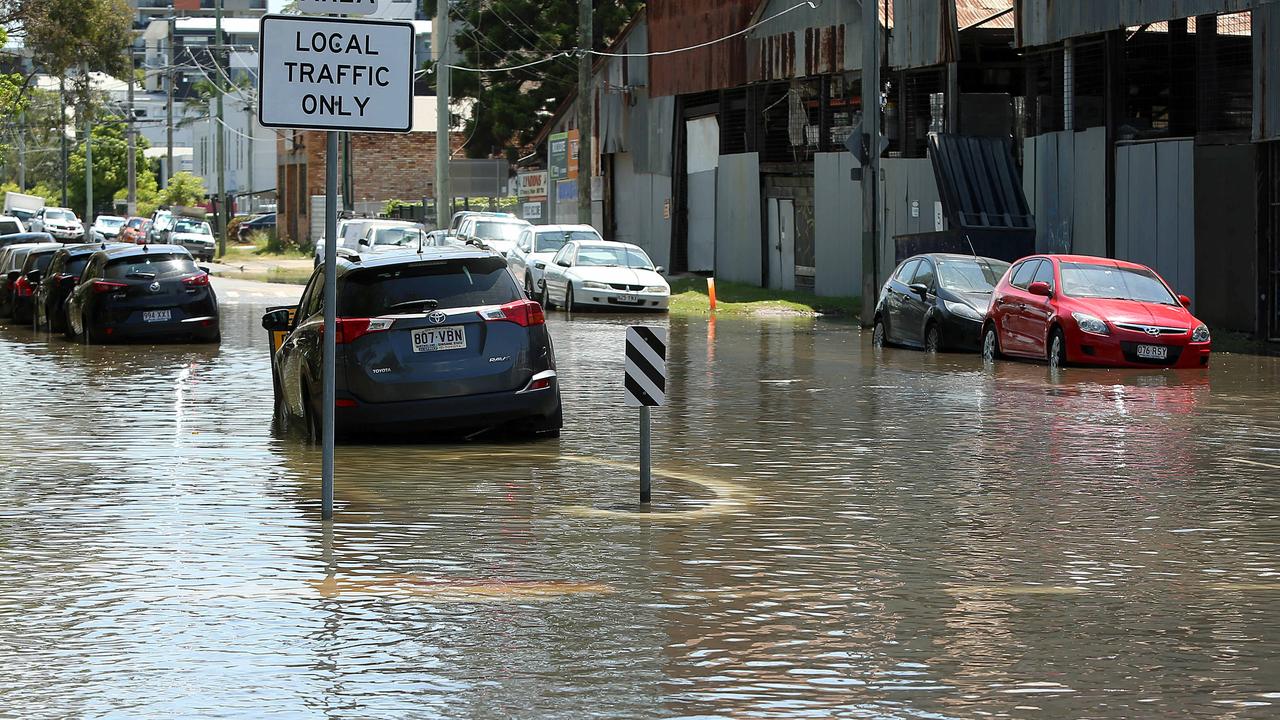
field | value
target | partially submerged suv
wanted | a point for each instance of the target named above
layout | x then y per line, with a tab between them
440	341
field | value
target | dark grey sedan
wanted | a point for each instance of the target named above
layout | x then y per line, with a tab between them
937	302
440	342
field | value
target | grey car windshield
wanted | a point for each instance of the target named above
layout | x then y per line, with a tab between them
971	275
472	282
397	236
62	215
1114	283
193	228
601	256
111	222
553	241
499	231
154	266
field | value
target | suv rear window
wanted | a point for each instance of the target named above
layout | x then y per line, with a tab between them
472	282
9	227
157	265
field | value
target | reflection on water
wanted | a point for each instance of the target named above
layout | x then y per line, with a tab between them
837	532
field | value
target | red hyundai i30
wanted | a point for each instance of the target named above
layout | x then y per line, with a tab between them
1070	309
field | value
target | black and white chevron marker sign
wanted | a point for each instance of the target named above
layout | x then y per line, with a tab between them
646	366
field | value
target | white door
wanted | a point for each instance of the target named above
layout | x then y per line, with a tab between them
775	246
784	246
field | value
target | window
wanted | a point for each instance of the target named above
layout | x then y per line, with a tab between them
496	230
1023	273
313	299
971	275
1045	274
924	274
9	227
151	266
1102	281
450	283
907	271
613	256
563	255
552	241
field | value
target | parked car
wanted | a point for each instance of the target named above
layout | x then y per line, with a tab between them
1093	311
540	243
134	230
12	259
604	274
261	223
442	238
106	228
498	233
61	223
23	288
10	225
27	238
455	223
161	221
381	236
937	302
57	282
441	341
194	235
142	292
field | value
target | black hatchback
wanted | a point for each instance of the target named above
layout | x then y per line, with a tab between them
142	292
441	342
57	282
22	289
937	302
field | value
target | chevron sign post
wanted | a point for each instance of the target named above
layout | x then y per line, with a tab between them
646	387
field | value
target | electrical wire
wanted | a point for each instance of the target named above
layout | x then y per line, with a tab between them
811	4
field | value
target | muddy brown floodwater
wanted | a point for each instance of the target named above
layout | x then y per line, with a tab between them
836	532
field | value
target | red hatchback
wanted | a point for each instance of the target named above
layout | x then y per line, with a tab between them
1092	311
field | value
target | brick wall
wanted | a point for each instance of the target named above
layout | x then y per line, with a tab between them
384	167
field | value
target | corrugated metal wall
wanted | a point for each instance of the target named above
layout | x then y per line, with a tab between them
838	226
684	23
1266	72
924	33
1063	178
738	249
1041	22
908	184
1155	209
805	42
638	204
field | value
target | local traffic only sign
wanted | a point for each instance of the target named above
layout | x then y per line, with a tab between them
319	73
645	385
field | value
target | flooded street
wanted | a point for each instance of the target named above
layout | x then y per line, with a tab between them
835	532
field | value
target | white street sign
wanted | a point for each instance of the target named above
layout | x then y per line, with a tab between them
338	7
335	74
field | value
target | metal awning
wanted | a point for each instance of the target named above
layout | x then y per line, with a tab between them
980	185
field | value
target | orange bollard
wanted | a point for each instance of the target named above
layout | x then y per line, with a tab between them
711	292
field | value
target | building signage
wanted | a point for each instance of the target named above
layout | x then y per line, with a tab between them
558	156
338	7
531	185
333	74
531	211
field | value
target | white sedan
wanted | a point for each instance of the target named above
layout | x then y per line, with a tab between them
603	274
538	245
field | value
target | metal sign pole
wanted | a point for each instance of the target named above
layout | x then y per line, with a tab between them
330	321
646	480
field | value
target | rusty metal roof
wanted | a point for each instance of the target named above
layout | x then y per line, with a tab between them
970	14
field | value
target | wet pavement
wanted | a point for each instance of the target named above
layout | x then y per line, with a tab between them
836	532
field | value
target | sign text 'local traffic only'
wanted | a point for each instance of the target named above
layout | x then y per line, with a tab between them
335	74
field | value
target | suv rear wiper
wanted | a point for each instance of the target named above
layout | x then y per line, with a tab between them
426	304
142	275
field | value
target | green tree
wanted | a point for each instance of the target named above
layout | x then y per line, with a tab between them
110	164
66	34
511	106
148	192
184	189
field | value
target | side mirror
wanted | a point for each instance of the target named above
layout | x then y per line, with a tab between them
204	269
919	289
14	274
363	242
1186	301
1041	289
540	265
564	263
34	276
276	320
542	284
660	270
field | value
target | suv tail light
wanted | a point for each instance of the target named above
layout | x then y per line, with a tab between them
201	280
107	286
525	313
352	329
22	287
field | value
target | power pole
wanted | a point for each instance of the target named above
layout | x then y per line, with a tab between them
133	148
62	130
443	41
249	151
586	110
22	151
170	60
870	169
219	150
88	174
